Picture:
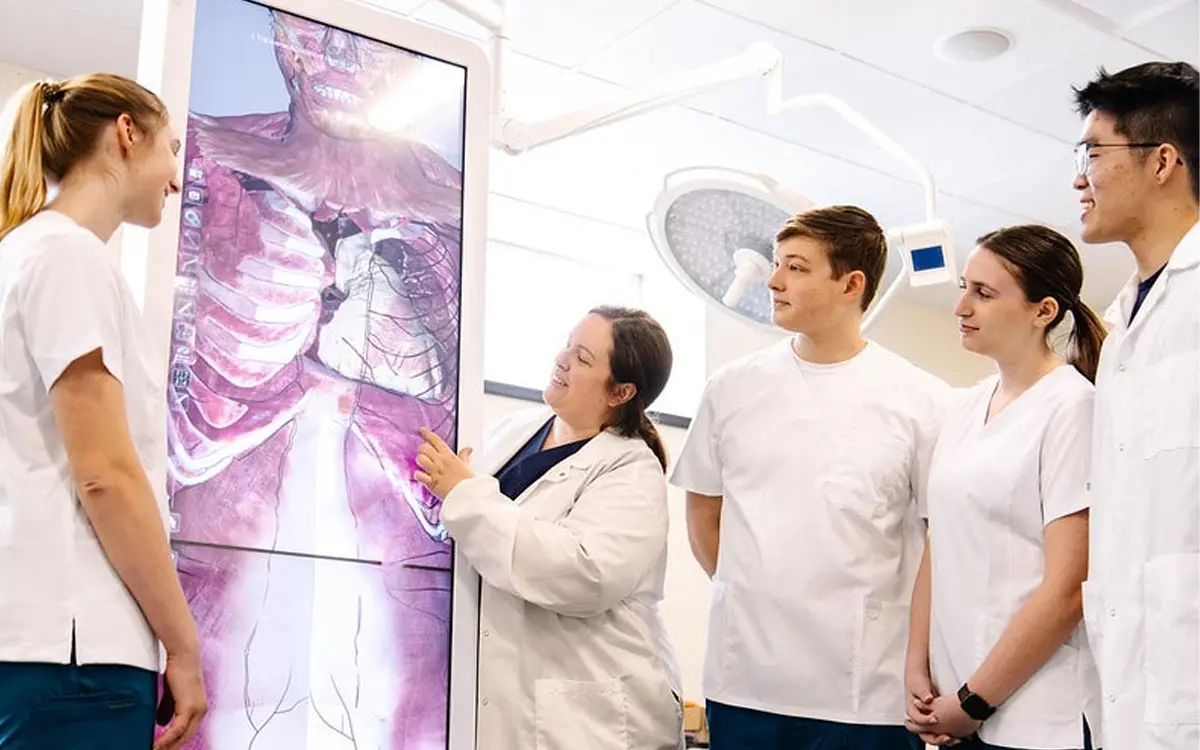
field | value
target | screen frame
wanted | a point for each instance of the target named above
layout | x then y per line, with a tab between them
148	257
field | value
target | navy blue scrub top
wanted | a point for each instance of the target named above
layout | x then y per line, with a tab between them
1144	287
531	462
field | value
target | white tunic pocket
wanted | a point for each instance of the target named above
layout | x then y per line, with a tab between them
879	662
578	715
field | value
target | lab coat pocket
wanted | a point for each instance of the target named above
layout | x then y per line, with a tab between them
573	715
1174	411
1172	624
879	663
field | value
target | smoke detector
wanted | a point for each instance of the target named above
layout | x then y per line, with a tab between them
973	45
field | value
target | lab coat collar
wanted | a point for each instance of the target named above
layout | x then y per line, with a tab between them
1187	252
1186	255
521	427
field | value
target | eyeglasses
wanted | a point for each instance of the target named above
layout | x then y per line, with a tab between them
1083	153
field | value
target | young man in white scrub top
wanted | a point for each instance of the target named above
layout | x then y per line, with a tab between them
1137	181
997	653
803	469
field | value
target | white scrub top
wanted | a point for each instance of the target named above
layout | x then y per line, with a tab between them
819	466
60	298
994	486
1142	598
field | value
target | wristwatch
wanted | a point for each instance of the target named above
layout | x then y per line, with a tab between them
974	706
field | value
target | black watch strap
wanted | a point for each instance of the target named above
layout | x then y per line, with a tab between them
974	706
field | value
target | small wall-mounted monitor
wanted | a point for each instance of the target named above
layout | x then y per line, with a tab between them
928	253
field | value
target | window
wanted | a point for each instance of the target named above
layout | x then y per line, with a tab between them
535	297
533	300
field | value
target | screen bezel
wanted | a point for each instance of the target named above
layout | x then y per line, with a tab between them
148	257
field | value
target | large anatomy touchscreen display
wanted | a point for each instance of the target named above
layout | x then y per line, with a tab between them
315	330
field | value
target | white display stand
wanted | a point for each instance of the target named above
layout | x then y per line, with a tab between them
148	258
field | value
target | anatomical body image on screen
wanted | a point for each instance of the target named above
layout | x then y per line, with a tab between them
315	330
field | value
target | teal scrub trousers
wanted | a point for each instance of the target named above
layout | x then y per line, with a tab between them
69	707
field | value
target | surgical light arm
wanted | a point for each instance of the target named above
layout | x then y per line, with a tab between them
517	136
762	59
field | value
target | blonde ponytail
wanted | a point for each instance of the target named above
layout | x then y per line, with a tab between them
55	126
22	172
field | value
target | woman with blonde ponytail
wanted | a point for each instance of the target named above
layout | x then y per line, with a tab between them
996	655
88	589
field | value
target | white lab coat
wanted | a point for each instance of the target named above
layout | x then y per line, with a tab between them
572	651
1142	597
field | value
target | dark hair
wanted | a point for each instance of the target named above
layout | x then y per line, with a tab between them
853	241
56	126
641	356
1046	264
1155	102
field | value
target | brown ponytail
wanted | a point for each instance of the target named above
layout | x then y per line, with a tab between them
1087	337
641	356
56	126
22	174
1046	265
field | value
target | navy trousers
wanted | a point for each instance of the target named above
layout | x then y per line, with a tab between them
69	707
977	744
733	728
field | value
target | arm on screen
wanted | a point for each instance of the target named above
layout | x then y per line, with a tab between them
89	408
704	529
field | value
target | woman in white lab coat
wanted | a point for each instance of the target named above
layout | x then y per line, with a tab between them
997	656
568	528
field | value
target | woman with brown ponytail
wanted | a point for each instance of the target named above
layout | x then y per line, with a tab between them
567	527
88	589
997	656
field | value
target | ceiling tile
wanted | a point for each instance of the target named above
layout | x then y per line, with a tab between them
557	32
900	38
1043	193
691	35
1117	13
1045	102
444	17
403	7
1175	35
536	90
552	31
966	148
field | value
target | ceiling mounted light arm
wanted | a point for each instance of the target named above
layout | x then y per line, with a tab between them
777	105
926	248
517	136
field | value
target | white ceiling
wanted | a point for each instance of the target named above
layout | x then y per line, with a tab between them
996	135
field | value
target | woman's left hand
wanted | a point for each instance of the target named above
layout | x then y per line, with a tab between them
441	469
951	719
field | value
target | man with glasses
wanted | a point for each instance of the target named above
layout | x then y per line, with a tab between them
1137	175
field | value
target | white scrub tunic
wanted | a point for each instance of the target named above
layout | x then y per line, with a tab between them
994	485
821	468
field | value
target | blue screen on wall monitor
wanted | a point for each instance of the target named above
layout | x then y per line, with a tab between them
928	258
